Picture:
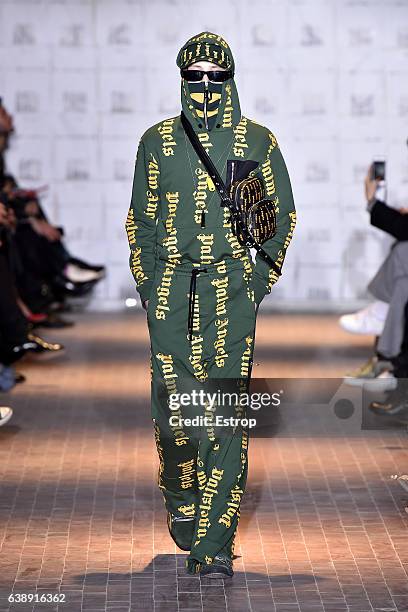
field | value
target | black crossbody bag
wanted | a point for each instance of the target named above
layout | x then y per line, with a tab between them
253	217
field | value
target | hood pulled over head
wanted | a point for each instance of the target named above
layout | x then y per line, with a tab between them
209	106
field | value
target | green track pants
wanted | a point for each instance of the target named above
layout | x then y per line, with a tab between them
203	469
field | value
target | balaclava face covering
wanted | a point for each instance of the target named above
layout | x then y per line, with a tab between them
206	97
209	104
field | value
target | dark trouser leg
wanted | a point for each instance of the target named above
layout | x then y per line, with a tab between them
222	464
13	325
171	370
390	284
389	343
221	348
35	269
401	361
177	472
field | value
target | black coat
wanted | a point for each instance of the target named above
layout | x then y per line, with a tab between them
389	220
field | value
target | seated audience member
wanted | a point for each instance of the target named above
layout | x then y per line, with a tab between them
395	404
385	317
15	336
45	271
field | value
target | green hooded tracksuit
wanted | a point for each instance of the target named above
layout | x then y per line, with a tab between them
203	288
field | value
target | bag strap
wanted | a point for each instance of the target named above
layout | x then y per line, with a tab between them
223	192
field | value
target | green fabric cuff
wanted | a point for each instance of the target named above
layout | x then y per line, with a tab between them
145	290
259	289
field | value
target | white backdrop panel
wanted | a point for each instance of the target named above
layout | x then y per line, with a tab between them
85	78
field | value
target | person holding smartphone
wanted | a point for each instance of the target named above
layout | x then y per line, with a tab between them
387	317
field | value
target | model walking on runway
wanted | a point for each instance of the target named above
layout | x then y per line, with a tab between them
201	289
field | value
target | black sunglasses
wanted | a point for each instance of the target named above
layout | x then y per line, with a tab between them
216	76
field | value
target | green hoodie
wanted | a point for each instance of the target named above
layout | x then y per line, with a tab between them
175	213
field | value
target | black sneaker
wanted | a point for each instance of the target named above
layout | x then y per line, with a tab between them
221	567
181	529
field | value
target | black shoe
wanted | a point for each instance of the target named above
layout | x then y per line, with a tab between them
181	529
35	344
221	567
53	321
86	266
9	373
389	408
73	289
19	378
42	346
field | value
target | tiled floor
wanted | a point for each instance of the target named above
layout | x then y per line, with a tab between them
323	525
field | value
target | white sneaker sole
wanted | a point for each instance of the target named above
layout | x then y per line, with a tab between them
4	420
217	575
373	331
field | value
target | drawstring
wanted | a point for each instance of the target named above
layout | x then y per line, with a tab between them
193	284
205	103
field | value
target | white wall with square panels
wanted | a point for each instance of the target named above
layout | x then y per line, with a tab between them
85	78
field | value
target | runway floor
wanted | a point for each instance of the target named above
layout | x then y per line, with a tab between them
323	525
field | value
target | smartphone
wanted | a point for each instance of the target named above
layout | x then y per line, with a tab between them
378	170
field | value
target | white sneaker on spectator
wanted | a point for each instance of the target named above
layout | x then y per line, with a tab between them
369	320
5	414
386	381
